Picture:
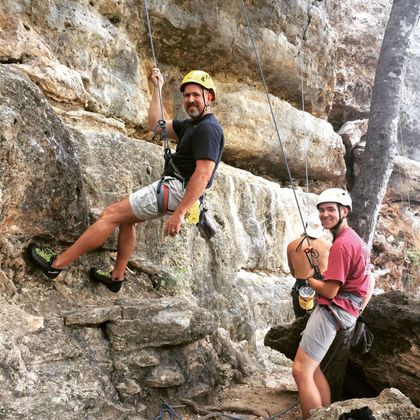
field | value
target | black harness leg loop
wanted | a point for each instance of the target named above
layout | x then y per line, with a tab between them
162	193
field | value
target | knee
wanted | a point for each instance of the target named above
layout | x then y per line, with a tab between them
109	213
297	370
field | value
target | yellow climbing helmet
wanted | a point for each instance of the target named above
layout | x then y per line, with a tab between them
199	77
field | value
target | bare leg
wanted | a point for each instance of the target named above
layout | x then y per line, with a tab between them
323	386
98	233
126	244
303	371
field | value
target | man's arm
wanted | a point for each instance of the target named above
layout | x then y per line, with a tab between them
327	289
155	113
195	188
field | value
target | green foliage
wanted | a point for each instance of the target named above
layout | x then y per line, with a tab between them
167	282
413	256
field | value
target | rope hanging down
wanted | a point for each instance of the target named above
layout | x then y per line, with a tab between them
161	123
149	29
286	163
167	154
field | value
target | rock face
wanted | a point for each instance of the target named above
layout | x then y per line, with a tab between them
391	403
37	164
410	124
74	90
257	146
352	23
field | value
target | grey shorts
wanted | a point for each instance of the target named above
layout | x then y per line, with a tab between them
144	201
318	335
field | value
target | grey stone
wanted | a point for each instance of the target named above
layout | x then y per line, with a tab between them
164	377
92	316
36	149
390	404
159	322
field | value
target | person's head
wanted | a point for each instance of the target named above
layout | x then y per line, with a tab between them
313	226
334	205
198	92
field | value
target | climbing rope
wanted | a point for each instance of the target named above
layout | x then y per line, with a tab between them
149	31
167	409
167	154
302	65
286	163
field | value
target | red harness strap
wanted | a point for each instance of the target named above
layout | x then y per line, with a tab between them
165	198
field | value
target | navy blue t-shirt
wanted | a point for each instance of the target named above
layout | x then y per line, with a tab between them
202	139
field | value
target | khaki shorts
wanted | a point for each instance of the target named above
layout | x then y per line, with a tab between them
318	335
144	201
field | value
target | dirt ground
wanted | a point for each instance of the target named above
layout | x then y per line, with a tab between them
266	396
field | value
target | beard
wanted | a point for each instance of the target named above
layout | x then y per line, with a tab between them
193	111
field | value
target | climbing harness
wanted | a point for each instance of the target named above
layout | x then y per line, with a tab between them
162	189
197	214
162	192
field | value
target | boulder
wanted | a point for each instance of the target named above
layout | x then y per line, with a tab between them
105	76
390	404
253	144
394	358
162	322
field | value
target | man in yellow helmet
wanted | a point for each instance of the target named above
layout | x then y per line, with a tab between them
188	173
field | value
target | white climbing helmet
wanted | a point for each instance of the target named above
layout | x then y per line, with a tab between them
314	227
335	195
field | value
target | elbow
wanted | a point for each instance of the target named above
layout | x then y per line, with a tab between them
329	295
204	176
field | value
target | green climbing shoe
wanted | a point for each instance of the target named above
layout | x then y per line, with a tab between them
43	258
105	278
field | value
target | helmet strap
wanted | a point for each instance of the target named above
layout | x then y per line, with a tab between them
334	229
205	108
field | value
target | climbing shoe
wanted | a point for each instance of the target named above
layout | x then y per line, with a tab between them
105	278
43	258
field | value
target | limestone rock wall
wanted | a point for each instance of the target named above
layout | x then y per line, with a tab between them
74	90
359	26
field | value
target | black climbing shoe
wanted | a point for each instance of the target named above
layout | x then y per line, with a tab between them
43	258
105	278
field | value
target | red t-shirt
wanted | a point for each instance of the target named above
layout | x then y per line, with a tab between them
348	263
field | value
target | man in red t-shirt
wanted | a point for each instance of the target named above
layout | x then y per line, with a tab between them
342	294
